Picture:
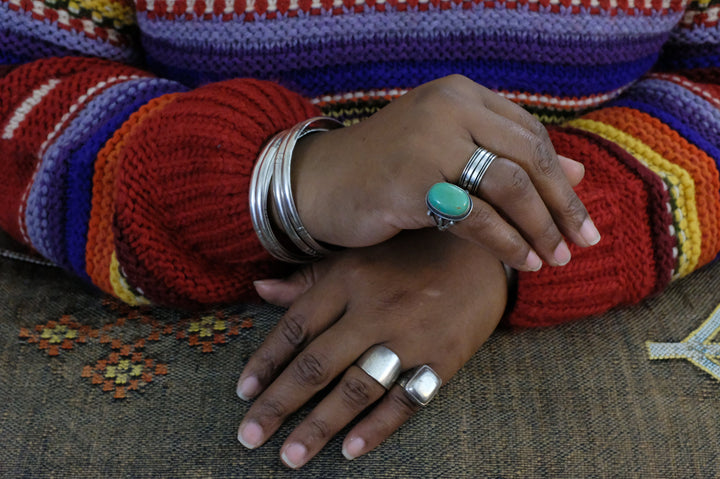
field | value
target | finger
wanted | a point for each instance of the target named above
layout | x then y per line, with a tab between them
352	395
509	189
313	369
574	170
380	423
537	157
487	228
308	316
284	292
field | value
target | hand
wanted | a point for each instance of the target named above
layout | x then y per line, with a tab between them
360	185
431	298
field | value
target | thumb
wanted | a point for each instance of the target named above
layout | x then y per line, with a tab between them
284	292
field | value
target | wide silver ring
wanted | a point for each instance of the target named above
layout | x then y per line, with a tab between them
475	169
381	364
421	384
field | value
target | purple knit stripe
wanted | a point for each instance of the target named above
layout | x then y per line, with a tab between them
696	36
700	114
218	41
20	25
474	45
46	203
113	107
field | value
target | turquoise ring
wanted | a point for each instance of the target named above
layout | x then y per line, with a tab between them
448	204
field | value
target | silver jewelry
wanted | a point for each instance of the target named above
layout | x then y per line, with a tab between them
381	364
475	169
421	384
270	186
282	187
259	188
447	204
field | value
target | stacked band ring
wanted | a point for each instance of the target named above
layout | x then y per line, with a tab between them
475	169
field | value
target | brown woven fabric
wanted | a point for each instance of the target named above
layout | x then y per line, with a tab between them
90	388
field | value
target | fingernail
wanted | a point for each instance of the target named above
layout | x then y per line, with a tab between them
589	232
354	448
266	283
533	261
250	435
294	455
248	388
562	254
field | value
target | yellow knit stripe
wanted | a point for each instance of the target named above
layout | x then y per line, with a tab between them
121	289
682	189
121	14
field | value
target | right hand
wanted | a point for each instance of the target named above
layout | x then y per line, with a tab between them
360	185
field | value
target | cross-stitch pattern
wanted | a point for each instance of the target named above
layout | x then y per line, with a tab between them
128	368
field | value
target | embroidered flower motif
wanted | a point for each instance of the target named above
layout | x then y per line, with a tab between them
124	370
209	330
56	336
126	367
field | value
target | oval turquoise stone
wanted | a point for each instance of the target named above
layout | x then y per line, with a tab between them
449	201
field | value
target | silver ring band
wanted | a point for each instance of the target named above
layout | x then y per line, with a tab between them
381	364
421	384
475	169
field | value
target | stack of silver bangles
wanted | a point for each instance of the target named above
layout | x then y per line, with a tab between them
272	174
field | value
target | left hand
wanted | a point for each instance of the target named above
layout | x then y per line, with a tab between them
431	298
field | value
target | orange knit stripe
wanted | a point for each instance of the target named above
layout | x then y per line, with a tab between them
100	244
670	145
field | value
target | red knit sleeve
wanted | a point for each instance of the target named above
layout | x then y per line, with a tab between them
135	183
651	185
182	225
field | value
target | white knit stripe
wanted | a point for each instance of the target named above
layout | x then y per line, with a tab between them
26	107
78	104
54	132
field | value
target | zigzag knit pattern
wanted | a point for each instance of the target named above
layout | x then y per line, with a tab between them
139	183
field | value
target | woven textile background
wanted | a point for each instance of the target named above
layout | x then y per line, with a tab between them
90	388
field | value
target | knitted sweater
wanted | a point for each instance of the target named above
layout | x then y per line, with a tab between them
128	132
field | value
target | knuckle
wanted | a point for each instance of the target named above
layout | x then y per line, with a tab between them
272	409
319	428
542	156
515	248
575	210
536	127
355	393
549	233
293	328
445	91
310	369
483	216
519	181
403	405
268	364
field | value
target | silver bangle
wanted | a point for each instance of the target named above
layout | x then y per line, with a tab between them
282	186
271	181
259	189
